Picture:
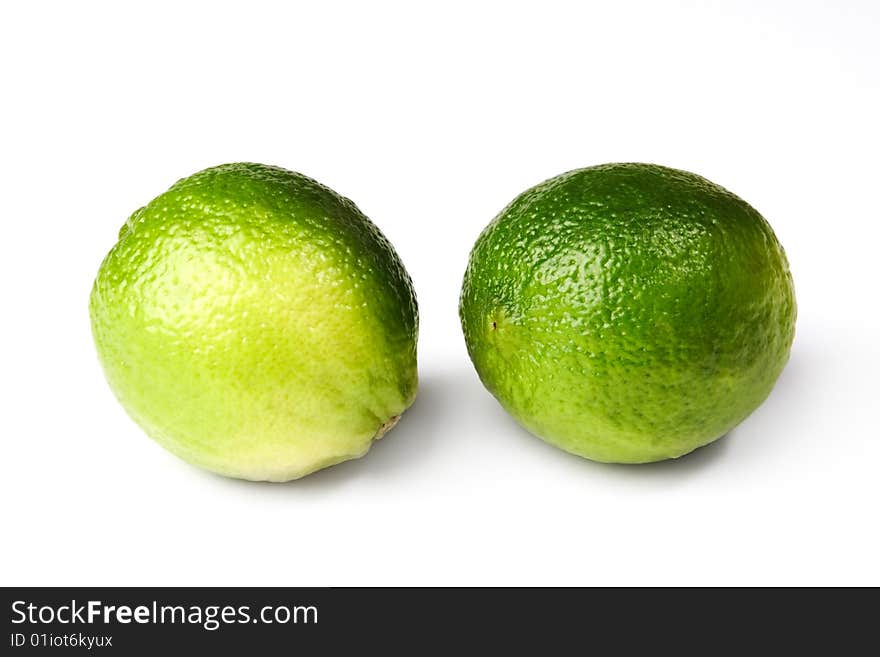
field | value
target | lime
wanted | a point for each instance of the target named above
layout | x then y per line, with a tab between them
628	312
256	324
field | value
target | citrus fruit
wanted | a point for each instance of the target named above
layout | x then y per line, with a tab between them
256	323
628	312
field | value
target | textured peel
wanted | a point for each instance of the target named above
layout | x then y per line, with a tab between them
628	312
256	323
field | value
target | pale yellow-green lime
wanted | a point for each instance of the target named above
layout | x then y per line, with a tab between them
628	312
256	323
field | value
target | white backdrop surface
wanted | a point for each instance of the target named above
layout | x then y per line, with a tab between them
431	118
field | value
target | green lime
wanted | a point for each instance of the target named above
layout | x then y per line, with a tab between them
628	312
256	324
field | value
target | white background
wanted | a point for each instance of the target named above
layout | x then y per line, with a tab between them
431	119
